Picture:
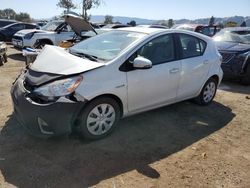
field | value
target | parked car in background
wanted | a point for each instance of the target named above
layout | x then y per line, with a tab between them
7	32
203	29
3	55
153	26
115	26
4	22
234	46
104	78
52	33
39	25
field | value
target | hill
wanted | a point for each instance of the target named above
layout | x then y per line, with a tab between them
124	20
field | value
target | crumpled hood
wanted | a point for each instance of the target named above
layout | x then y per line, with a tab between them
27	31
230	46
57	60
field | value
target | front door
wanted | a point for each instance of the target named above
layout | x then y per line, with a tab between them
65	34
151	87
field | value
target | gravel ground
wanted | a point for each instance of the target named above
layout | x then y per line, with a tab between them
181	145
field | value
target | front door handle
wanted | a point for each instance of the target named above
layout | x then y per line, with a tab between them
174	70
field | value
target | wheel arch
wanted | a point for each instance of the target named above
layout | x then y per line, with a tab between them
48	41
214	76
112	96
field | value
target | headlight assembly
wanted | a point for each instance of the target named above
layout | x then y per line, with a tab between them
59	88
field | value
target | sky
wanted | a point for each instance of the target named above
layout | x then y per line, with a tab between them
148	9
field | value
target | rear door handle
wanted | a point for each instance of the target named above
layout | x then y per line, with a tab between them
205	62
174	70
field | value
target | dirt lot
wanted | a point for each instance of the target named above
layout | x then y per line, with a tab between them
182	145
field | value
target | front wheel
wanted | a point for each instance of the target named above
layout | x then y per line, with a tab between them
207	93
99	118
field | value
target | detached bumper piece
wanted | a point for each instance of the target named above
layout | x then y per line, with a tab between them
3	55
30	55
43	119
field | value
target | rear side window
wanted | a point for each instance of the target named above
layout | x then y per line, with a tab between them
158	50
17	27
191	46
30	26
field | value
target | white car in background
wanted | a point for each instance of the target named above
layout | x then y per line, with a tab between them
52	33
93	84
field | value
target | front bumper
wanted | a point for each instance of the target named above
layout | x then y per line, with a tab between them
43	120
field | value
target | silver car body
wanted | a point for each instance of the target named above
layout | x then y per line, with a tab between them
138	90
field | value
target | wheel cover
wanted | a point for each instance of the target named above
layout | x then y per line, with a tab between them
209	92
100	119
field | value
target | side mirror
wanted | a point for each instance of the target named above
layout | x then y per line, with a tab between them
142	63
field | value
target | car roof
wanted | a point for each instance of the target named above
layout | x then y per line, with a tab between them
18	23
145	30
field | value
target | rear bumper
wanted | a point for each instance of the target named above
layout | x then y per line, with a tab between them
41	120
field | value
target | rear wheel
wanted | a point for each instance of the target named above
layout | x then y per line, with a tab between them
99	118
246	79
207	93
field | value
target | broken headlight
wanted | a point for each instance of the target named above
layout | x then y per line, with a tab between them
59	88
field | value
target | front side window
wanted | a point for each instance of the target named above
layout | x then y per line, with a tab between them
158	50
191	46
51	26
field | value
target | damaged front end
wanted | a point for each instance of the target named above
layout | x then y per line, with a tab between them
46	104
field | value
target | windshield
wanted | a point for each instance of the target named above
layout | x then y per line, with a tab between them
108	45
51	26
233	36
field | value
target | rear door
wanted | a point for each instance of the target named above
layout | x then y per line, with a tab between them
194	65
157	85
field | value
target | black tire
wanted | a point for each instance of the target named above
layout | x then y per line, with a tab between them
1	61
99	123
2	38
246	79
203	99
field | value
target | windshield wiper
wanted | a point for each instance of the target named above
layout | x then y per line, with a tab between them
81	54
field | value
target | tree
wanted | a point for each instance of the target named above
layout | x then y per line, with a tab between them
87	5
108	19
132	23
7	13
24	17
211	21
170	23
231	24
66	4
